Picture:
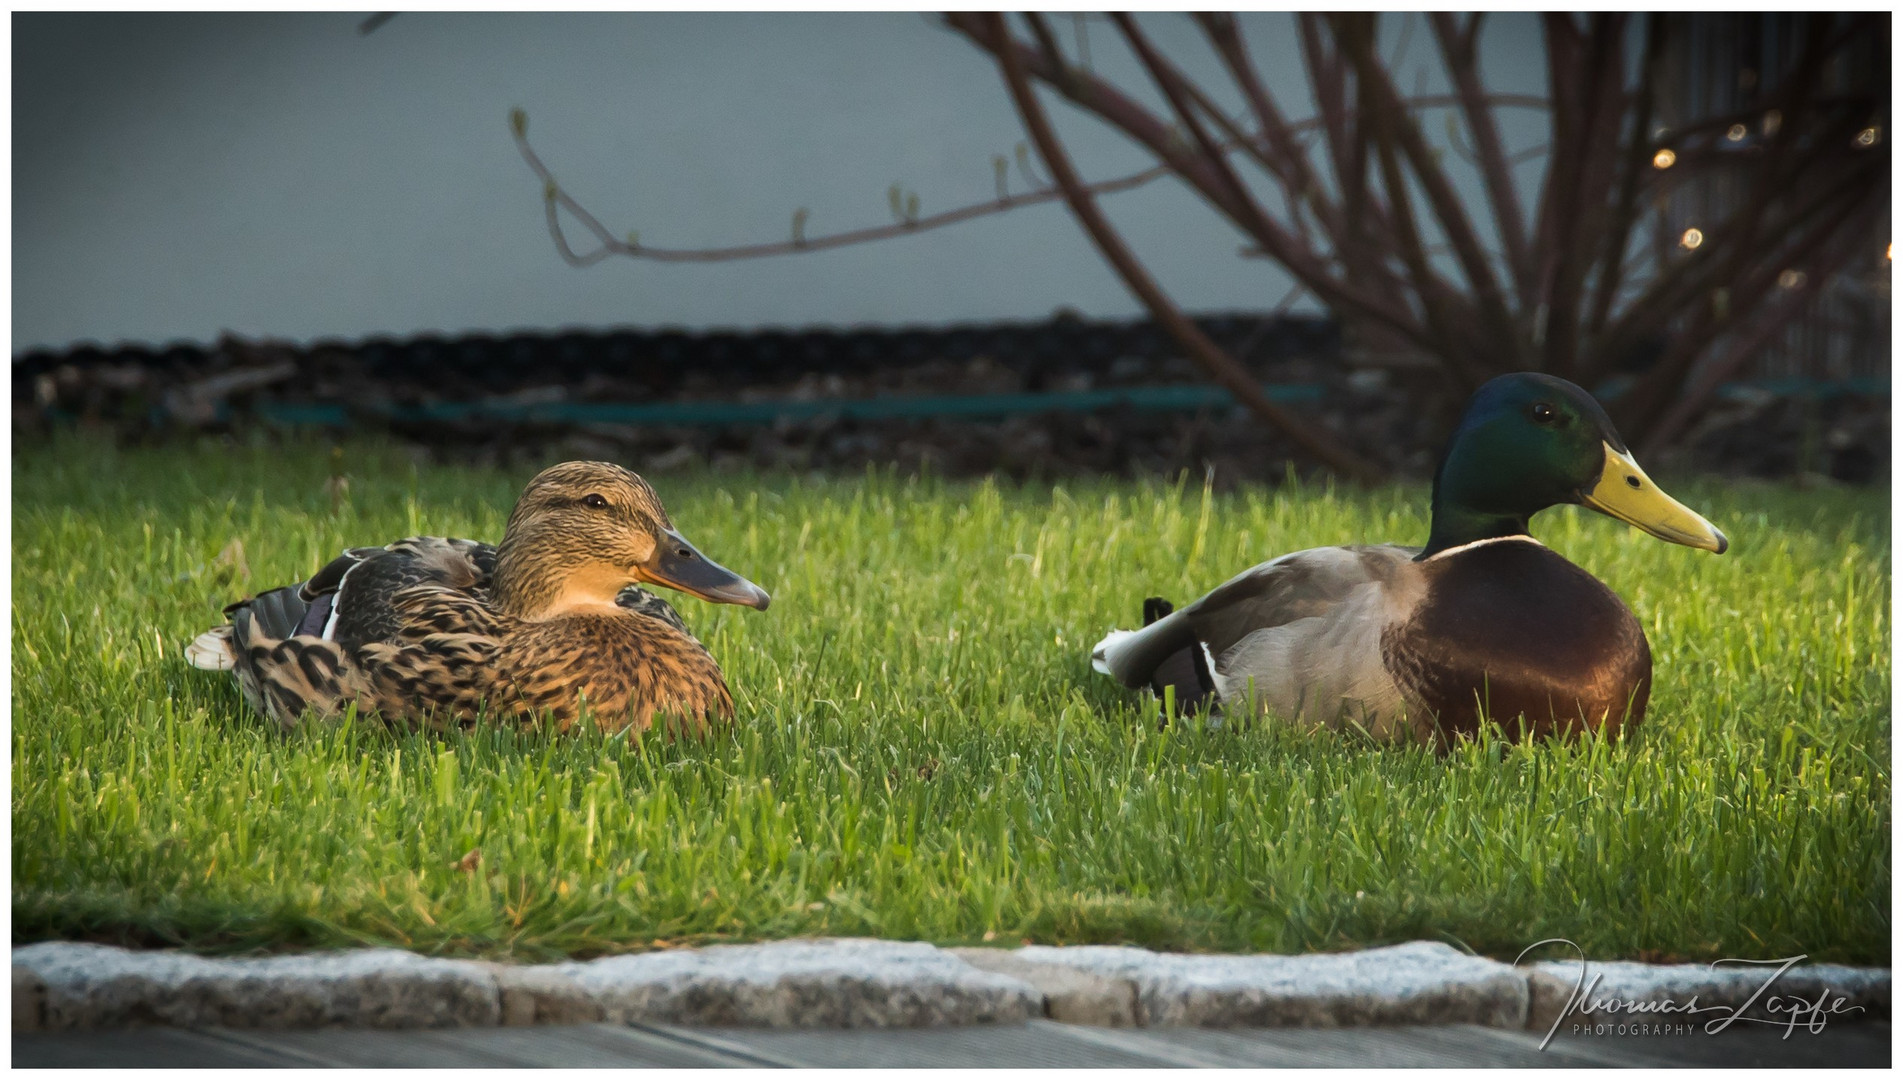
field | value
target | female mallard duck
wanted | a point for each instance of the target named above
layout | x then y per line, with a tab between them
432	629
1422	642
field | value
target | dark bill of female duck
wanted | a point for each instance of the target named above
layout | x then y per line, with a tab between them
678	564
1623	491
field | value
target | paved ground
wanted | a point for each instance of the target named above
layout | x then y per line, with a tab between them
1037	1044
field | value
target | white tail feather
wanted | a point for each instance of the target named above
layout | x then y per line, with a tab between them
1100	655
1131	656
211	650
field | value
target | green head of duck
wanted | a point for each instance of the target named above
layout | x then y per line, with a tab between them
1529	441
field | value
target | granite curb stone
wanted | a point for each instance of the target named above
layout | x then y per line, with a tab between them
1714	991
1419	982
88	986
29	1000
539	994
841	982
867	983
1071	996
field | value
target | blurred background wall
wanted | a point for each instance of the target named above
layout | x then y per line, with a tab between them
314	221
285	176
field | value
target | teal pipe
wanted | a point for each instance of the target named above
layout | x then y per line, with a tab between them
713	413
1148	398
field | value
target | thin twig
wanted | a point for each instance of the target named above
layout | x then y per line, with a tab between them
1496	329
1745	344
1222	367
1448	316
1298	256
1830	181
555	196
1496	168
1625	214
1581	196
608	244
1299	182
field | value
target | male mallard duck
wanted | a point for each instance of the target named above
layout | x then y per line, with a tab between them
1420	641
428	628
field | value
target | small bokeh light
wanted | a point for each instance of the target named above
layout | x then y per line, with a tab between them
1691	238
1664	159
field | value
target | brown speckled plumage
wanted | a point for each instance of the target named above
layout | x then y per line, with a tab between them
544	627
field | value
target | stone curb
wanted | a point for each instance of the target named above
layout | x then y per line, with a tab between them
90	986
1422	982
1071	995
861	983
837	983
1697	994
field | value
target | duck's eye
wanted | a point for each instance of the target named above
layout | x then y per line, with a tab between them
1544	413
594	502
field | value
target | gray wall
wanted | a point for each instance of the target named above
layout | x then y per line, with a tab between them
280	175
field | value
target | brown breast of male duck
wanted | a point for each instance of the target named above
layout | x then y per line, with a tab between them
1512	630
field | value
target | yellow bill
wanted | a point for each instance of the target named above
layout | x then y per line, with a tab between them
1626	493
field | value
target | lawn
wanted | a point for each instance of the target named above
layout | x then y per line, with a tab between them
922	750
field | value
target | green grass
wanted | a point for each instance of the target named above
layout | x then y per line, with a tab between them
922	751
